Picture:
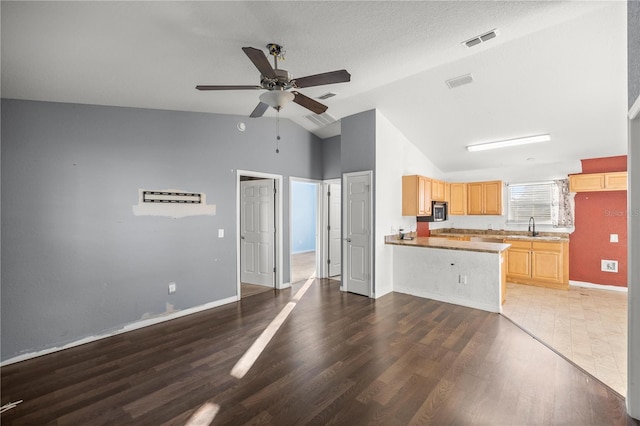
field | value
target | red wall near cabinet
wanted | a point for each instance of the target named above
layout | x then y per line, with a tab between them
599	214
423	229
606	164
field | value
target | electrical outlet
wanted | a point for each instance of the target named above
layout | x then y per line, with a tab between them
220	233
609	265
613	238
172	288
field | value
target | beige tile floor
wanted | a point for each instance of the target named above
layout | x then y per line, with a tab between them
588	326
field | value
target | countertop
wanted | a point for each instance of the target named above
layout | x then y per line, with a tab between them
443	243
501	235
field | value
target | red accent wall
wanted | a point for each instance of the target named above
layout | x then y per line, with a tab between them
599	214
423	229
605	164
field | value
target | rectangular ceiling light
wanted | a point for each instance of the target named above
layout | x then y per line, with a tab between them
508	142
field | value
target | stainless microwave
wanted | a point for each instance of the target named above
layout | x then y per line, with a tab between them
438	212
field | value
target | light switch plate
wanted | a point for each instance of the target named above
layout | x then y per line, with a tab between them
220	233
613	238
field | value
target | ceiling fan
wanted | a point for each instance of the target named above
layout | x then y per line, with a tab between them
277	82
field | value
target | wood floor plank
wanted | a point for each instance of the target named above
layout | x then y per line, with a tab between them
338	359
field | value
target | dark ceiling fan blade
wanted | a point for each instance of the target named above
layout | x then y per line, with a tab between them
206	87
259	110
309	103
261	62
341	76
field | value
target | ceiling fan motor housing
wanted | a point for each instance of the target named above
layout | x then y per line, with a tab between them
281	82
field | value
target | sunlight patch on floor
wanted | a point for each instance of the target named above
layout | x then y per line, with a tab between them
204	415
245	363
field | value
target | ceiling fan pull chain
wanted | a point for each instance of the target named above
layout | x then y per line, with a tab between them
277	131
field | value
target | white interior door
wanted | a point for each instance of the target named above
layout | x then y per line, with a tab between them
357	276
257	232
335	229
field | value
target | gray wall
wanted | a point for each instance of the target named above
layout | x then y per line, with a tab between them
358	153
331	158
633	49
75	260
358	142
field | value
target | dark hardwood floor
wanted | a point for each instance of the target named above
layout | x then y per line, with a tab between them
338	359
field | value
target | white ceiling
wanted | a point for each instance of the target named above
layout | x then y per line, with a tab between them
556	67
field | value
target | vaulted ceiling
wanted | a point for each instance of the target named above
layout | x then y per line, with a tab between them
555	67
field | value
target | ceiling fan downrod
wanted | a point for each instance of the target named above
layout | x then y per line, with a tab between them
276	51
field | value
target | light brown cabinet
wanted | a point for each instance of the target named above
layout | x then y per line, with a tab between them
458	199
539	263
416	195
591	182
615	181
484	198
447	192
437	190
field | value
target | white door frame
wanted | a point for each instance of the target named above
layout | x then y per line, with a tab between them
324	271
319	242
278	219
345	226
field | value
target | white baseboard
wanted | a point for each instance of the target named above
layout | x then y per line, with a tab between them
129	327
598	286
285	285
449	299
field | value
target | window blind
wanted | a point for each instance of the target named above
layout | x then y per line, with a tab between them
532	199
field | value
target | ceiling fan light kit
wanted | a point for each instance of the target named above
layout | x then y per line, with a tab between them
277	99
508	142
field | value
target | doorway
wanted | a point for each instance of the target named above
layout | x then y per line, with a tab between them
333	244
305	244
259	242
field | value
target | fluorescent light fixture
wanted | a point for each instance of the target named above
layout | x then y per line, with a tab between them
508	142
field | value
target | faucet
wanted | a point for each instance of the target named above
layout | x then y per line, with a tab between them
532	227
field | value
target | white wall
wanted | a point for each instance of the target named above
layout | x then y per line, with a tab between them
434	273
395	156
633	373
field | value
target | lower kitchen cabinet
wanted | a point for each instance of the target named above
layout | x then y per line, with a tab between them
539	263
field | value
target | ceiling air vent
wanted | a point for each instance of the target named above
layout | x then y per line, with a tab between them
459	81
326	96
481	38
321	120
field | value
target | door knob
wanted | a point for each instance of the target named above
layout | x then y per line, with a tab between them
348	240
242	237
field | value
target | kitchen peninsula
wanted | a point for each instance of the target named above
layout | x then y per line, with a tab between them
466	273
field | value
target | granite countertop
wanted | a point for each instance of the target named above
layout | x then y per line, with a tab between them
443	243
501	235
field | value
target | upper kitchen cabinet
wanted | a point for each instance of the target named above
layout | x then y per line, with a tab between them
457	198
615	181
484	198
438	190
416	196
591	182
